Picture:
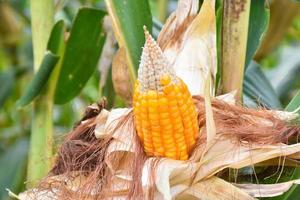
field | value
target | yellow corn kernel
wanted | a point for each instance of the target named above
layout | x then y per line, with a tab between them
164	115
168	89
166	120
151	94
171	154
157	141
153	116
160	151
155	128
165	80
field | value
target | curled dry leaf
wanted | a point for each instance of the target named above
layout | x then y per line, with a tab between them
228	97
120	76
267	190
189	42
209	117
100	126
173	31
214	188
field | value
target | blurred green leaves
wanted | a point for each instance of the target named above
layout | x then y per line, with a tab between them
13	164
258	88
7	79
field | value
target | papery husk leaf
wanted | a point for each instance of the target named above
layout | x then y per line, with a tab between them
228	97
100	124
177	23
123	137
191	48
212	189
54	183
267	190
281	161
166	169
210	123
225	154
286	116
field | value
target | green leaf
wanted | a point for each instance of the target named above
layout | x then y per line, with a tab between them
81	55
294	103
13	166
7	82
258	88
57	37
108	90
219	14
258	25
39	80
129	17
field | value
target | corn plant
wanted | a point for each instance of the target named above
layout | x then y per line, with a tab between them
174	119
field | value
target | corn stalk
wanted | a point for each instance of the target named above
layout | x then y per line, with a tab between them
40	153
234	44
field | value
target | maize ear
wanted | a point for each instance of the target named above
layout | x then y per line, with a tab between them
165	116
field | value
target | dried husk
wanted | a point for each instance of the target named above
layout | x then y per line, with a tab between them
128	173
188	41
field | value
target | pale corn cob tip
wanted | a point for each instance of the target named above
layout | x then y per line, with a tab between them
153	65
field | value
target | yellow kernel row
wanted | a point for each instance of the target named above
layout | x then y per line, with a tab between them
166	121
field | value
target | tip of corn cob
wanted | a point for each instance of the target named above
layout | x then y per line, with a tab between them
153	66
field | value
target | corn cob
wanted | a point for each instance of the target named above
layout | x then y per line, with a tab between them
165	116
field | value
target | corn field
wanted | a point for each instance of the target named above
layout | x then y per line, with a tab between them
150	99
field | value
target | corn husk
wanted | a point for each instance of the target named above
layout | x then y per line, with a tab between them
194	178
188	41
